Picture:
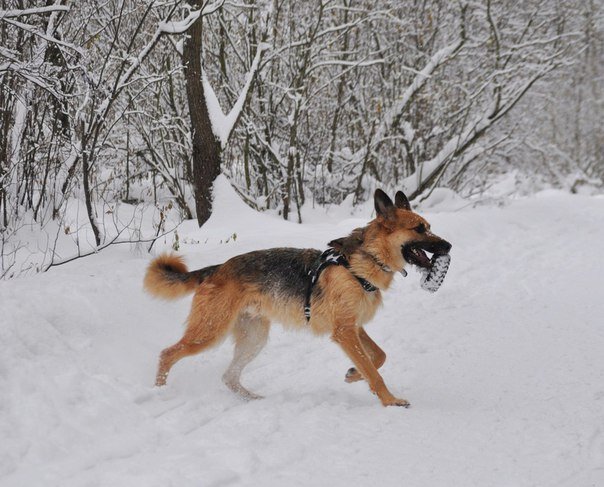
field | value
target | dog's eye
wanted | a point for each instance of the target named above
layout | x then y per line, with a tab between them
421	228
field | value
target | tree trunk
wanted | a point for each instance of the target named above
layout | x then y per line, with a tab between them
6	110
207	151
88	200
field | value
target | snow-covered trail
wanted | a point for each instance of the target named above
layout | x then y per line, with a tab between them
504	368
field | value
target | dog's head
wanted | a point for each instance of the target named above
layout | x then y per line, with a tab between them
401	235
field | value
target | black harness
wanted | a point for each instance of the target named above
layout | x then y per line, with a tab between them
327	258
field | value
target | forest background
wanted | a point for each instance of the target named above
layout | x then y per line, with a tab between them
117	116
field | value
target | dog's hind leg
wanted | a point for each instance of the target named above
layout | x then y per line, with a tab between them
377	355
212	315
251	334
173	354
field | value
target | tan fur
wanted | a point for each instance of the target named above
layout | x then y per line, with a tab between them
156	284
376	354
223	304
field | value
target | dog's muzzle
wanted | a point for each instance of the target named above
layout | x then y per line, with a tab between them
415	252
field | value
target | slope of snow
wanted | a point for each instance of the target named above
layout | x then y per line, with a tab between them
504	367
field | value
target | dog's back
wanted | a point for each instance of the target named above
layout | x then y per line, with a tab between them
280	273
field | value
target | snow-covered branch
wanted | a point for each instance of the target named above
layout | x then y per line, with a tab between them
6	14
43	35
343	62
428	170
393	115
181	26
222	124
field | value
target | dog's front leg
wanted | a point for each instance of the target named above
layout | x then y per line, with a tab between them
377	355
347	336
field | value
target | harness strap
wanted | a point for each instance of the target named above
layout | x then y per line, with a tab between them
327	258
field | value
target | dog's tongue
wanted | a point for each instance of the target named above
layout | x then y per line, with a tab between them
423	258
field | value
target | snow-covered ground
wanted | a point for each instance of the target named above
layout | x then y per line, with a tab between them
504	367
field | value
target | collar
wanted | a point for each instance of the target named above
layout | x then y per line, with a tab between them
377	261
381	265
327	258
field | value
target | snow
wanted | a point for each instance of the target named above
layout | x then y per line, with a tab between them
503	366
181	26
223	125
443	199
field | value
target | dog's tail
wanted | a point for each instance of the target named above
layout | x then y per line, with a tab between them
167	277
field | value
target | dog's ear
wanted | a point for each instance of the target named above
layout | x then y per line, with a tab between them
401	201
337	244
383	203
348	245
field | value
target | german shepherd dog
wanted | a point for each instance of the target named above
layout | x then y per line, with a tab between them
246	293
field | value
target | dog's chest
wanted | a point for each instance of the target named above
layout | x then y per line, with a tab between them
367	305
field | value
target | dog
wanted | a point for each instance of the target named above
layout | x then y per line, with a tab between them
332	293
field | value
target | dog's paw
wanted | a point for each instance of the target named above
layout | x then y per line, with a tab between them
250	396
353	375
394	401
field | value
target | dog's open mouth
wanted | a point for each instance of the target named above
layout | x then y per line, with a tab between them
415	252
414	255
